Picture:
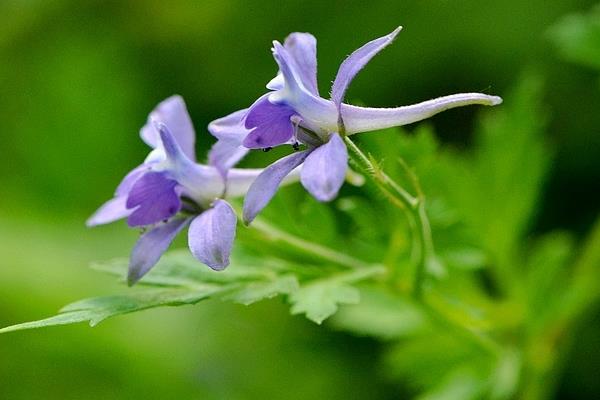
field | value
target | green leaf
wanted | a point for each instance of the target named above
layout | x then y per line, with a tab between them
547	271
578	38
382	315
319	300
256	291
461	384
180	269
496	189
181	280
97	309
434	359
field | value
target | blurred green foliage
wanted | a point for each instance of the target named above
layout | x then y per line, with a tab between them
77	81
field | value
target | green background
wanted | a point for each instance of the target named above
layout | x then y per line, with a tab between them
77	80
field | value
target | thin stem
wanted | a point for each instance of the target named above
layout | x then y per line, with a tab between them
364	163
478	339
326	253
414	206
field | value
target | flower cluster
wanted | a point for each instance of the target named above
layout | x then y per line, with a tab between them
170	190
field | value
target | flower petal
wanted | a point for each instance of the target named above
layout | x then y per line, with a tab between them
112	210
363	119
276	83
270	124
154	198
173	113
303	49
199	182
151	246
324	170
230	132
130	179
287	67
315	112
355	62
224	154
230	127
211	235
266	184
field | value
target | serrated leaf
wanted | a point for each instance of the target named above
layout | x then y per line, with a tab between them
180	269
320	300
182	280
496	190
256	291
97	309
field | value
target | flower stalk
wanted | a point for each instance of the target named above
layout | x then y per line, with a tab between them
414	206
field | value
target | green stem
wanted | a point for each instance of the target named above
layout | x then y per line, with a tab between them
323	252
414	206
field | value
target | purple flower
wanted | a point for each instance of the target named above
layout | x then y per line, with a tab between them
170	191
293	112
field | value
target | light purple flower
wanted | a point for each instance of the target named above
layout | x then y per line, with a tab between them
294	112
170	191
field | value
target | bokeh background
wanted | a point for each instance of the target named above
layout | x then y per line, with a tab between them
77	80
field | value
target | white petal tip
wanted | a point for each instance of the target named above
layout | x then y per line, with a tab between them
495	100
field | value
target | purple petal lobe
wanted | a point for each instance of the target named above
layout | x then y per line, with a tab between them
355	62
270	124
211	235
112	210
303	50
324	170
130	179
154	198
151	246
265	186
230	127
173	113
